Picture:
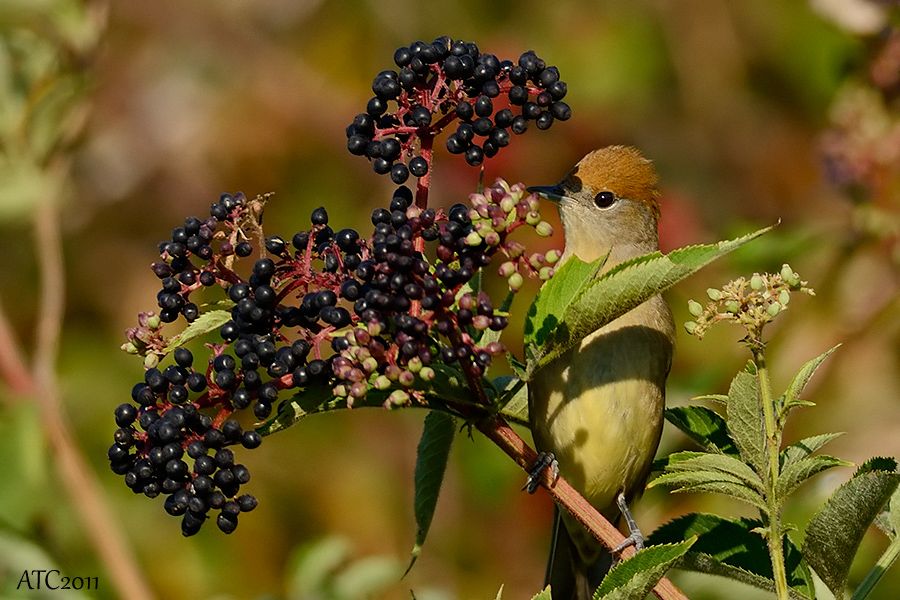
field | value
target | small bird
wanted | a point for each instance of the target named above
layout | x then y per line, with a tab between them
599	408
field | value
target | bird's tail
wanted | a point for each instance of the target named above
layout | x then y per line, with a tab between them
573	573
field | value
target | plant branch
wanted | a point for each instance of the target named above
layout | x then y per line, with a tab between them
77	477
773	449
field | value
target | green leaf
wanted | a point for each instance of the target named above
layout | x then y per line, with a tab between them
205	323
717	398
791	398
702	461
704	426
835	532
513	399
805	447
617	291
311	401
448	384
799	471
637	576
715	482
544	594
431	462
894	513
556	295
745	420
730	548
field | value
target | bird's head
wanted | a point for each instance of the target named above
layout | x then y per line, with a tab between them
608	200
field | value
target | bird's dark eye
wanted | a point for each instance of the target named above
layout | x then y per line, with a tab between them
605	199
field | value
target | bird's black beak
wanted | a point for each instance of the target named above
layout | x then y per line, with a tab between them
550	192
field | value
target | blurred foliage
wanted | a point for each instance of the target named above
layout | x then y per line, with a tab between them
753	112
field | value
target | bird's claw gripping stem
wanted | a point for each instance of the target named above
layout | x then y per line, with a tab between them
545	460
635	537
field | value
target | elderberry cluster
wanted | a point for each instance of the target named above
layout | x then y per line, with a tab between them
446	81
333	316
173	431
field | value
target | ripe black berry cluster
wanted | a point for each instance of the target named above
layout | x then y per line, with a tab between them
328	314
446	81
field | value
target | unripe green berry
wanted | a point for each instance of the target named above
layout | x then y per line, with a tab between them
695	308
545	273
732	306
473	239
129	348
690	327
552	257
790	277
427	374
340	390
533	218
714	294
492	238
370	364
784	297
515	281
406	378
507	269
756	282
381	383
397	398
773	309
154	322
507	205
414	364
544	229
150	361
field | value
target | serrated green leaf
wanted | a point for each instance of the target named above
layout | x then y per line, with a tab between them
877	463
805	447
556	295
544	594
311	401
799	471
791	397
704	426
715	482
431	462
730	548
893	513
835	532
205	323
620	289
635	577
717	398
513	399
517	366
745	420
720	463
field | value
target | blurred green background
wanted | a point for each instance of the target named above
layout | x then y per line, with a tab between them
122	119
